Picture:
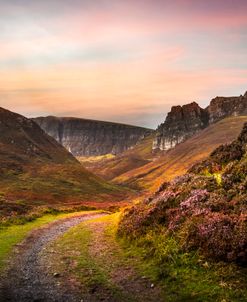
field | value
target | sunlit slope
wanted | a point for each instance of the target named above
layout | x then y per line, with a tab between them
35	170
109	168
178	160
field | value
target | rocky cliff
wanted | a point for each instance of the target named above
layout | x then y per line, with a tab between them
84	137
221	107
183	122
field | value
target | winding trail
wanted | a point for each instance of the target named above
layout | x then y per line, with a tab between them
29	278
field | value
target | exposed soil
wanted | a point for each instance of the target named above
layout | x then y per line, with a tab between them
29	279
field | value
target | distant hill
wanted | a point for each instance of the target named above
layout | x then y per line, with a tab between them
165	166
84	137
35	170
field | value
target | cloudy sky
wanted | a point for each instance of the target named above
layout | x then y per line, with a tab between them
120	60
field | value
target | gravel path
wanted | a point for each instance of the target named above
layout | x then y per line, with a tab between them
28	280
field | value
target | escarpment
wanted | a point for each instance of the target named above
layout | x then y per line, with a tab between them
84	137
182	122
221	107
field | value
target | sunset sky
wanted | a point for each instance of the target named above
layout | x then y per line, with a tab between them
120	60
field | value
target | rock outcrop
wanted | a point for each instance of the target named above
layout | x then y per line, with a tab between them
183	122
221	107
84	137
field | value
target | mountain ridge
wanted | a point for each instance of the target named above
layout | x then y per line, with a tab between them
85	137
182	122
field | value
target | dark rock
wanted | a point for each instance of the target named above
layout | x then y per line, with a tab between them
221	107
56	275
182	122
84	137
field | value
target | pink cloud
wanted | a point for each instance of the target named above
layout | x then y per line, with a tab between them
132	54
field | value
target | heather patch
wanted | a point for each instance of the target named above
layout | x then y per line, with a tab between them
204	211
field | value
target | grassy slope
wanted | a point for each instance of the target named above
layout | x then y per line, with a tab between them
23	142
186	276
109	168
54	186
178	160
36	171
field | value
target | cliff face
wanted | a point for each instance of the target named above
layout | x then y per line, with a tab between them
183	122
221	107
91	138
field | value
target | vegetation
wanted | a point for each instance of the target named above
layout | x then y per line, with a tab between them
57	186
185	276
88	270
194	229
36	172
87	160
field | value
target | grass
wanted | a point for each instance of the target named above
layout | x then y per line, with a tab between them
12	235
94	159
58	179
56	185
186	276
181	276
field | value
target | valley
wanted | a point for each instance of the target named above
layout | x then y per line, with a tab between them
125	220
123	151
142	168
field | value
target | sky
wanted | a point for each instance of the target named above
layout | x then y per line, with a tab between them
126	61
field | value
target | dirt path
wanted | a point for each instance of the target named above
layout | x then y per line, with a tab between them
91	259
29	279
